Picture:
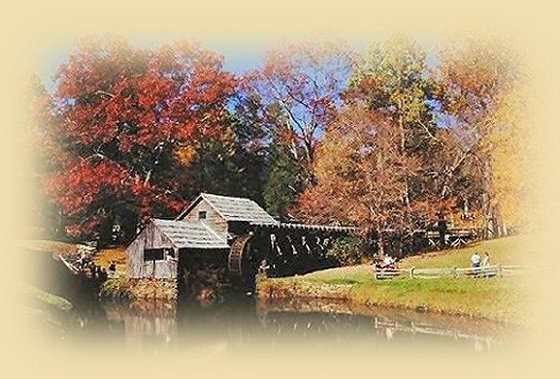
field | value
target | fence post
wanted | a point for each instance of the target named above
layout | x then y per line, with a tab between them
412	273
455	275
500	273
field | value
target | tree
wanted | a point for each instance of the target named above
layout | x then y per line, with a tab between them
480	91
394	80
297	92
361	175
285	181
40	215
231	164
129	119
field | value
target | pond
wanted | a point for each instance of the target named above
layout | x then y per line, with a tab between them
242	321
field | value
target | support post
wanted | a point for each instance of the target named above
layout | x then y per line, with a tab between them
412	272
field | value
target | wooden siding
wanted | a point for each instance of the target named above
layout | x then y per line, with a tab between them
150	238
213	218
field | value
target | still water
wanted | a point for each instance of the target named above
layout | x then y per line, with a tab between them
245	321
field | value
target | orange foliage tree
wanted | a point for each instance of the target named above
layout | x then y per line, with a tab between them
480	88
361	175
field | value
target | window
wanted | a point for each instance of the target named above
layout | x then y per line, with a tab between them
153	255
202	215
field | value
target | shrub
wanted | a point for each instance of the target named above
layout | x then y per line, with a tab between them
348	251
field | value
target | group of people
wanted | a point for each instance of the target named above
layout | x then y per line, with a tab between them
388	262
85	265
385	268
476	261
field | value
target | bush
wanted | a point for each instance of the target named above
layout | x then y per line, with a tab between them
142	288
348	251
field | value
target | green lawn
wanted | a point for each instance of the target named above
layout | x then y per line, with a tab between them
506	251
499	299
48	246
46	298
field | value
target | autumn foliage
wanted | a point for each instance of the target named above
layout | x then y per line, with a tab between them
394	139
125	116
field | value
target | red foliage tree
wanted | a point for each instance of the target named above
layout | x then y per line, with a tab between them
125	114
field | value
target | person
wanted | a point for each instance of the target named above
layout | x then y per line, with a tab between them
98	273
475	260
92	269
486	260
263	269
388	260
486	264
377	264
112	270
80	262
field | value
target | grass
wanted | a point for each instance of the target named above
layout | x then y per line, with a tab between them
505	251
104	258
499	299
47	298
49	246
125	288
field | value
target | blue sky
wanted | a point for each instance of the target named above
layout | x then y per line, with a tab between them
239	57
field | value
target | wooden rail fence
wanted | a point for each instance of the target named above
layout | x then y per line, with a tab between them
454	272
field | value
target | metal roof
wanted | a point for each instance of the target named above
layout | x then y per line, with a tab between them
235	209
191	234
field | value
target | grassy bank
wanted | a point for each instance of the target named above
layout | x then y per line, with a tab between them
125	288
104	257
49	246
45	299
119	287
499	299
43	311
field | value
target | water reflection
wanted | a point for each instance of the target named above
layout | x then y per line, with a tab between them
243	322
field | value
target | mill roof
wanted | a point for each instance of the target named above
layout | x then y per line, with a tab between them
234	209
191	234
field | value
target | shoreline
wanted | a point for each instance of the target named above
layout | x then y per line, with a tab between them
300	289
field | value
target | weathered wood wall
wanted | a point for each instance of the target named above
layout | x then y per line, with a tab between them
150	238
213	218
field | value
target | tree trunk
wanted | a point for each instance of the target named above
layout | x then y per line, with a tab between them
381	245
487	204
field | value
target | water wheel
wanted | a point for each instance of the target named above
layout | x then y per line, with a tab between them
239	255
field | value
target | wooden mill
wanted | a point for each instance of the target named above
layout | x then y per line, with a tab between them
229	232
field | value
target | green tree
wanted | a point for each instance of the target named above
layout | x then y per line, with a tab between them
284	183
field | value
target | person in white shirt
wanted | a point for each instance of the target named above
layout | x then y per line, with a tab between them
475	260
387	260
486	260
